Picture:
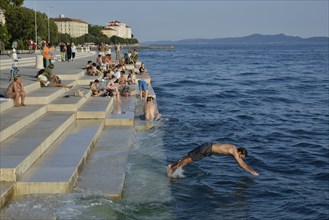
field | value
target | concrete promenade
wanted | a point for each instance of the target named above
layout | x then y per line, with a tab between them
45	145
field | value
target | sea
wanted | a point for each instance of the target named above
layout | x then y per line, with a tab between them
272	99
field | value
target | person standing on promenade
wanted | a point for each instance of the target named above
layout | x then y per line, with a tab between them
108	61
99	61
134	57
16	90
62	49
208	149
117	52
47	53
34	47
107	50
30	43
74	50
14	45
68	52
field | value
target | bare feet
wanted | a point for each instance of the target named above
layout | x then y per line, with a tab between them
23	104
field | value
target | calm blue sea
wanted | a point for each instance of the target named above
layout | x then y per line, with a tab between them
271	99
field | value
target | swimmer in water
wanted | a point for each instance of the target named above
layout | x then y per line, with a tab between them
208	149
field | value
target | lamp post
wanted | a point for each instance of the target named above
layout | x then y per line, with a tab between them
48	23
35	22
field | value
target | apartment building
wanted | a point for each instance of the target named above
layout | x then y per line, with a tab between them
117	28
73	27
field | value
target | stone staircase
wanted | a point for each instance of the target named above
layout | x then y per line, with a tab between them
45	145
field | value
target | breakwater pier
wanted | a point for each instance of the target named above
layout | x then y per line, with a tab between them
58	138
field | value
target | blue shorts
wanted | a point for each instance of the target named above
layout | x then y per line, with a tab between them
142	85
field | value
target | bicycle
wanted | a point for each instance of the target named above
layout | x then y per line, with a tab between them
14	70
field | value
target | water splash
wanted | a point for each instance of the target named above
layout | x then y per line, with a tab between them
179	173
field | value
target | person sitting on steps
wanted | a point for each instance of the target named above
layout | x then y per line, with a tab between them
94	87
16	90
142	69
47	78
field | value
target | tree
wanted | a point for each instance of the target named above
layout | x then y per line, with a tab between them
53	31
64	38
20	23
95	30
4	35
6	4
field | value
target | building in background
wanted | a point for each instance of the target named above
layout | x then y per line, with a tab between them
117	28
73	27
109	31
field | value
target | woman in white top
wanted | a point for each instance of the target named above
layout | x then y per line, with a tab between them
74	50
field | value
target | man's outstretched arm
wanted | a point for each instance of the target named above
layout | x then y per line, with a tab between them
244	166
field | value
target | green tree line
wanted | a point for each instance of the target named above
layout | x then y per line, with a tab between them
20	27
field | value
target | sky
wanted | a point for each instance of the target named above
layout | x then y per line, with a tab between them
154	20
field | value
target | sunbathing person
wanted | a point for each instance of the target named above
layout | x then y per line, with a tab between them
111	87
94	87
142	69
134	56
42	78
127	91
48	79
48	71
93	71
88	65
123	79
131	77
16	90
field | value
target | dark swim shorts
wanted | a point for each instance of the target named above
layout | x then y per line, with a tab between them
200	152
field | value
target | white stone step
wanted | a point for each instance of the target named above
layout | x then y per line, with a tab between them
68	101
44	95
144	76
14	119
6	104
22	62
29	86
109	160
23	148
95	108
122	113
58	168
